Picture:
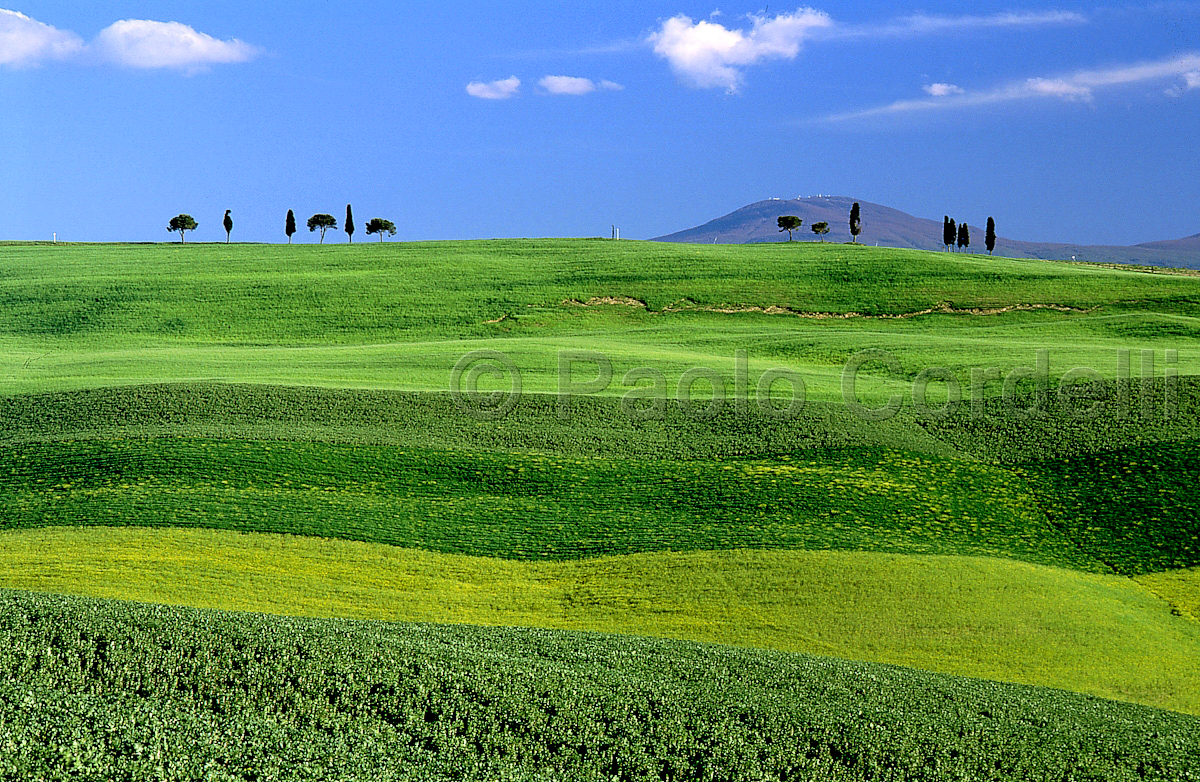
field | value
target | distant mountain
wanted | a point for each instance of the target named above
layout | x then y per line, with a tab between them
889	227
1187	244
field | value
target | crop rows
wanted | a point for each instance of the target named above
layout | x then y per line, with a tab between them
116	690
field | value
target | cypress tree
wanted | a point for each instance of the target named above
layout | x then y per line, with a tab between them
349	224
855	223
990	237
290	227
949	233
964	236
228	223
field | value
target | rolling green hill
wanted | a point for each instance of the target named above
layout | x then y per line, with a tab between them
277	429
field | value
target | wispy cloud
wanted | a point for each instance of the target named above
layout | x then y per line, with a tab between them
134	43
141	43
707	54
1180	74
933	24
575	85
501	89
26	42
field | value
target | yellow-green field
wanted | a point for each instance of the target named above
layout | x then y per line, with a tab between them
973	616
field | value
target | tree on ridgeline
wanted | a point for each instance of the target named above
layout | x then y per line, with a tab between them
349	224
377	225
951	234
964	237
182	223
289	227
789	223
989	238
948	235
855	223
228	223
321	222
820	229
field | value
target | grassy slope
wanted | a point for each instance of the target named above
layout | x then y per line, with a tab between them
93	316
400	315
1180	588
980	617
523	506
111	690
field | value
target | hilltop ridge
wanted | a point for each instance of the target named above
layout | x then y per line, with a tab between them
888	227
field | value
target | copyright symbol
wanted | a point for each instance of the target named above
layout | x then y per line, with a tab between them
484	405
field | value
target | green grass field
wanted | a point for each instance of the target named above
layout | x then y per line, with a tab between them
400	315
273	428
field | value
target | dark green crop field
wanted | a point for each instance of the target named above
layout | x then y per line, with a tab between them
117	690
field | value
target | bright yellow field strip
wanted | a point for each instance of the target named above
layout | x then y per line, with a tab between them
989	618
1180	588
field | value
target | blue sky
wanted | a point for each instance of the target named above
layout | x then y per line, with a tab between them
1067	122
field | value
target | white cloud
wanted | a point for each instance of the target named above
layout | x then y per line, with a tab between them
567	85
137	43
495	90
25	41
941	89
706	54
141	43
575	85
1079	86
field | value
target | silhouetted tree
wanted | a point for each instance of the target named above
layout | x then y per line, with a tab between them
349	224
321	222
989	238
182	223
290	226
380	226
949	233
820	229
228	223
789	223
964	237
855	223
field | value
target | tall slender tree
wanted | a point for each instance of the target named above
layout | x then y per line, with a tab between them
949	233
964	237
349	227
289	227
228	223
946	232
855	223
989	238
